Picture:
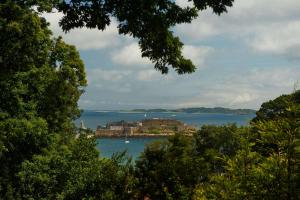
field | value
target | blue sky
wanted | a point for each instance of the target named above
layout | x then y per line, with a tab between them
243	58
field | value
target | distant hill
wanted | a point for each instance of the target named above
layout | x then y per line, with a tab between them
201	110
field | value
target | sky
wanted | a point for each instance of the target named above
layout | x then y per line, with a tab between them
244	57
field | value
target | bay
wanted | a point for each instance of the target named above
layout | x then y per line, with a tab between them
108	146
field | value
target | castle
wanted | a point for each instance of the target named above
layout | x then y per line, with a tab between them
147	127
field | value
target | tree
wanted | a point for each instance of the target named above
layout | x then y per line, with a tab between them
41	80
148	21
175	169
235	182
168	169
276	108
266	166
247	175
75	171
281	138
21	139
212	143
39	76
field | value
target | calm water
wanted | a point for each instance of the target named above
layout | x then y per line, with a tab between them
108	146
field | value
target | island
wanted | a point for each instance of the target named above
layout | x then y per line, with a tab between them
146	128
200	110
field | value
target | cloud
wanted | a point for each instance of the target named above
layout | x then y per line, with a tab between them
218	95
96	75
106	84
153	75
148	75
184	3
278	40
130	55
276	77
264	37
248	89
243	98
85	39
269	26
197	54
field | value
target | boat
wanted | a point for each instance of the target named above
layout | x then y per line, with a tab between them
145	115
126	140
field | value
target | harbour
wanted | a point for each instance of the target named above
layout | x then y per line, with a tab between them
109	144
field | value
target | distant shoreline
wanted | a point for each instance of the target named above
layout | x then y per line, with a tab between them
134	136
200	110
138	136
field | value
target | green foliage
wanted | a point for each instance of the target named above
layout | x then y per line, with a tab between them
168	170
282	136
154	131
59	106
42	79
236	182
267	164
20	139
74	172
229	162
276	108
24	38
149	21
215	142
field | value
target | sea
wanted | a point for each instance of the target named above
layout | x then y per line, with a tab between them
110	146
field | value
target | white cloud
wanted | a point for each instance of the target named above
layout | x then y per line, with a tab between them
270	26
278	40
130	55
184	3
220	95
197	54
243	98
105	83
280	77
153	75
148	75
120	88
85	39
97	75
246	90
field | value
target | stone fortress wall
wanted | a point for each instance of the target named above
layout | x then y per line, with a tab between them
147	127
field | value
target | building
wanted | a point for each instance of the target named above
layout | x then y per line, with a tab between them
117	129
145	127
162	124
120	125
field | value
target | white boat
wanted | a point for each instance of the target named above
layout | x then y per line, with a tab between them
126	140
145	115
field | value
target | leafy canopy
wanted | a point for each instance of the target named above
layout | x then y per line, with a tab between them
150	21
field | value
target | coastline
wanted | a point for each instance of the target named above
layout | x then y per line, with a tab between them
138	136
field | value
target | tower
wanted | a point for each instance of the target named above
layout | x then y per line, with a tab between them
82	126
